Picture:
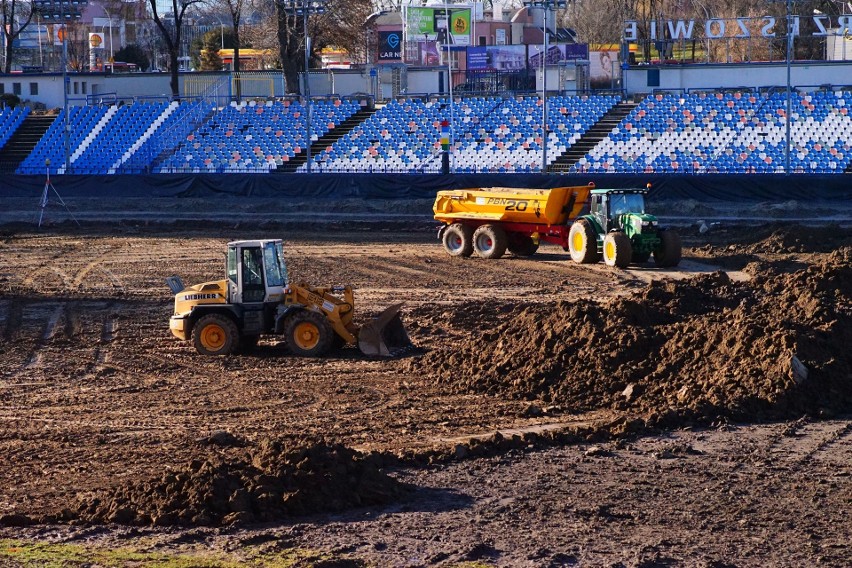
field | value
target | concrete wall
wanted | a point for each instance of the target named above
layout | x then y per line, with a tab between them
83	85
420	80
732	75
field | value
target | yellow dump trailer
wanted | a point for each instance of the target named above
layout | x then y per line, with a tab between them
490	221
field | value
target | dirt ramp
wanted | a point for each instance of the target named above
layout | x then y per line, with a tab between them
272	482
699	348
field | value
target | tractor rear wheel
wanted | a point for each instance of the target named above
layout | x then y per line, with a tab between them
583	242
669	253
215	334
490	241
617	249
458	240
308	334
522	245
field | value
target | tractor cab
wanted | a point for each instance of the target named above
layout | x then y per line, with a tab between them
257	271
608	206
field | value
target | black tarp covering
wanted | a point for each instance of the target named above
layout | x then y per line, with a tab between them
716	187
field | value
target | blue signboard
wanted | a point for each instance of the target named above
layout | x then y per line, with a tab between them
390	46
477	58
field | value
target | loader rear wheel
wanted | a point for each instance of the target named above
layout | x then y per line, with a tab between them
617	250
669	253
583	242
215	334
458	240
490	241
308	334
522	245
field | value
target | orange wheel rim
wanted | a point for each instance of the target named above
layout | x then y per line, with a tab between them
213	337
306	335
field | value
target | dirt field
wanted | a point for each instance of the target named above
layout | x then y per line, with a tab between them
557	415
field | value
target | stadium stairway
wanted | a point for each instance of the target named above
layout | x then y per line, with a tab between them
24	140
167	142
593	136
328	139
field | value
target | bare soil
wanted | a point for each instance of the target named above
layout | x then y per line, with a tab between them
556	414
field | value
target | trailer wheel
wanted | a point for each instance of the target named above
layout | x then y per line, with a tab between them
583	242
458	240
669	253
490	241
308	334
522	245
215	334
617	250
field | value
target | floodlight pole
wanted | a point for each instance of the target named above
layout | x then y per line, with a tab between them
67	126
64	13
450	80
789	88
544	94
305	7
306	11
545	5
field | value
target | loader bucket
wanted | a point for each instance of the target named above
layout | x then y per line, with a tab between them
385	336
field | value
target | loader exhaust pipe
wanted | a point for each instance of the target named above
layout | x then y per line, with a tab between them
385	336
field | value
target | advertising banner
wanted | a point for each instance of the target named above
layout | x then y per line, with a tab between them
96	40
557	53
509	58
390	46
443	25
603	68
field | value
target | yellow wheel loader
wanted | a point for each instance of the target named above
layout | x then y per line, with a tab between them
257	298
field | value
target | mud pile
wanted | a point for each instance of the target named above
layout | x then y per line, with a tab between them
272	483
697	349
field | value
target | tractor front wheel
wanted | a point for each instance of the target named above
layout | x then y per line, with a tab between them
669	252
522	245
583	242
215	334
308	334
617	250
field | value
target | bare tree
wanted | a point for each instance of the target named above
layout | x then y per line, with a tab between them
170	26
340	26
16	16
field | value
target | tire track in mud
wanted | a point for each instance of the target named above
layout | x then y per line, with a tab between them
13	317
36	356
819	442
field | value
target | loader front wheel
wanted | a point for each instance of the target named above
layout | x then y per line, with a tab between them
458	240
215	334
308	334
617	250
490	241
583	242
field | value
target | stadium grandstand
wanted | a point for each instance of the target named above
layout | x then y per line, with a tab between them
706	132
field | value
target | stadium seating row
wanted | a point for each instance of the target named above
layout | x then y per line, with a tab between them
739	132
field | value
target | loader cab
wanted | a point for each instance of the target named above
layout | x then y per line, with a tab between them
257	272
608	204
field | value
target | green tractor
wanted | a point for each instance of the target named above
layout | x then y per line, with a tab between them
618	229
